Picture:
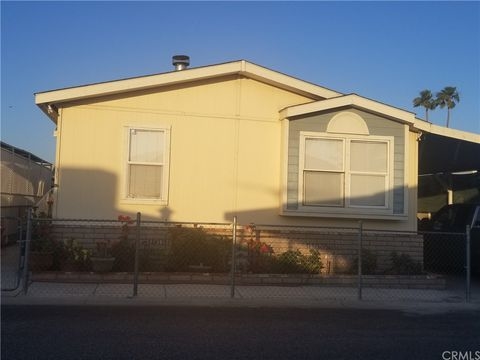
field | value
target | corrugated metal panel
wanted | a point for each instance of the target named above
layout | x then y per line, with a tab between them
23	181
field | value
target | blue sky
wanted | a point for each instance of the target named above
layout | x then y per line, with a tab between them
387	51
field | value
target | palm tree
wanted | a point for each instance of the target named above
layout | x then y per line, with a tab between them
448	97
426	100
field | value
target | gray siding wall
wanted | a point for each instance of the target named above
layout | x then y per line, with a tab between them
377	125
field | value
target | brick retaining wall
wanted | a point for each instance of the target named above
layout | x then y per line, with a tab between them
368	281
338	248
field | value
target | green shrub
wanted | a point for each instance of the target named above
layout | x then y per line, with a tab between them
294	262
152	259
43	241
75	256
369	263
124	253
194	246
403	264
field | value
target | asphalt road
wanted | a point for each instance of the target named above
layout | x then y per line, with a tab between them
118	332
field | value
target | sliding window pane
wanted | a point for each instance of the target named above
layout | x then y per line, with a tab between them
324	154
367	156
323	189
145	181
367	190
147	146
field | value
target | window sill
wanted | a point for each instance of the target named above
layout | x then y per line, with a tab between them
346	214
143	201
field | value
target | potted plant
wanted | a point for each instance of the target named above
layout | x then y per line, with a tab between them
75	256
42	246
103	260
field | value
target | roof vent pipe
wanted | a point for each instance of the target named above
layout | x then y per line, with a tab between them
180	62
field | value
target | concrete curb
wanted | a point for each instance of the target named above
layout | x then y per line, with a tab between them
405	306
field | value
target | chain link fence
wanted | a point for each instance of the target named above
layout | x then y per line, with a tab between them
13	253
130	257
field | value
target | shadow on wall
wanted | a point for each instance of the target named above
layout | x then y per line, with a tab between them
95	194
90	193
334	237
334	241
86	193
272	215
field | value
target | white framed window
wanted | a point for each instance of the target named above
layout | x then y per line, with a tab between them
147	164
345	171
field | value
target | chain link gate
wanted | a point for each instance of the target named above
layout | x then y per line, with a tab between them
13	255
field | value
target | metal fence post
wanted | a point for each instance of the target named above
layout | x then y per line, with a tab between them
360	240
469	264
232	270
28	238
137	253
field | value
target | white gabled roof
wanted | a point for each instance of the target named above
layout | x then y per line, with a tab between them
48	101
348	100
380	108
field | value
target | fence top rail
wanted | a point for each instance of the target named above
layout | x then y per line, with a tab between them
78	220
441	233
12	218
352	229
75	219
313	227
386	231
343	229
175	223
131	221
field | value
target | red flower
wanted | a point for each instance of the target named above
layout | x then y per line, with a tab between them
125	218
265	249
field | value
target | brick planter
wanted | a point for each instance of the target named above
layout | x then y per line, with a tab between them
369	281
40	261
102	264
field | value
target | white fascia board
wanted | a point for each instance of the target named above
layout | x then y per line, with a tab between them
286	82
241	67
348	100
424	126
133	84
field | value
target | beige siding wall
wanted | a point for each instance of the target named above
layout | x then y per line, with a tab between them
412	176
225	154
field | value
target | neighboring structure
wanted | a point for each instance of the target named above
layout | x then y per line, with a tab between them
449	170
25	181
204	144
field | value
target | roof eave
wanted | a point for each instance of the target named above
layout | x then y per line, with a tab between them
50	110
400	115
242	67
132	84
426	127
353	100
